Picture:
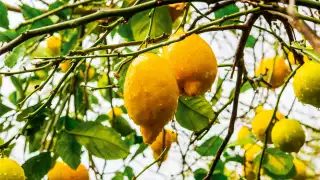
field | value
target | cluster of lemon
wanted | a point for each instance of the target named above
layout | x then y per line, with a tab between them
153	84
10	169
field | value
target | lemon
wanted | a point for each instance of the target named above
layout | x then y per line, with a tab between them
306	83
116	111
301	170
150	94
274	71
65	65
54	44
157	146
91	72
176	10
258	109
251	151
193	62
288	135
62	171
10	170
244	132
261	121
293	61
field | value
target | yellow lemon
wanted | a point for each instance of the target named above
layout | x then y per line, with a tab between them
251	151
10	170
244	132
150	94
301	170
54	44
91	72
288	135
261	121
274	71
294	61
116	111
193	62
306	83
163	141
62	171
176	10
65	65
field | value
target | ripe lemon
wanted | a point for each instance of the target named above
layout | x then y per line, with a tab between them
274	71
10	170
116	111
251	151
193	62
54	44
244	132
91	72
293	61
301	170
157	146
258	109
176	10
261	121
306	83
288	135
62	171
150	94
65	65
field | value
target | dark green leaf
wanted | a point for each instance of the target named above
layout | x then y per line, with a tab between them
278	162
251	41
12	58
128	171
64	13
68	122
4	109
201	173
26	111
7	35
29	12
227	10
38	166
210	146
102	117
101	141
7	151
140	23
69	150
236	158
194	113
18	85
34	141
4	21
290	175
141	148
121	125
125	31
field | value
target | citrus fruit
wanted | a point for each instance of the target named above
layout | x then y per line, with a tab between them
176	10
193	62
288	135
10	170
261	121
258	109
116	111
251	151
301	171
273	71
90	74
306	83
244	132
65	65
150	94
54	44
163	141
293	61
62	171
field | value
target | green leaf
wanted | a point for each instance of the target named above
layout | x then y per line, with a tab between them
141	148
241	142
69	150
38	166
227	10
251	41
125	31
12	58
236	158
34	141
140	23
121	125
218	93
101	141
4	109
210	147
29	12
278	162
4	21
201	173
123	74
18	85
128	171
69	40
7	35
64	13
118	176
194	113
26	111
102	118
247	86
